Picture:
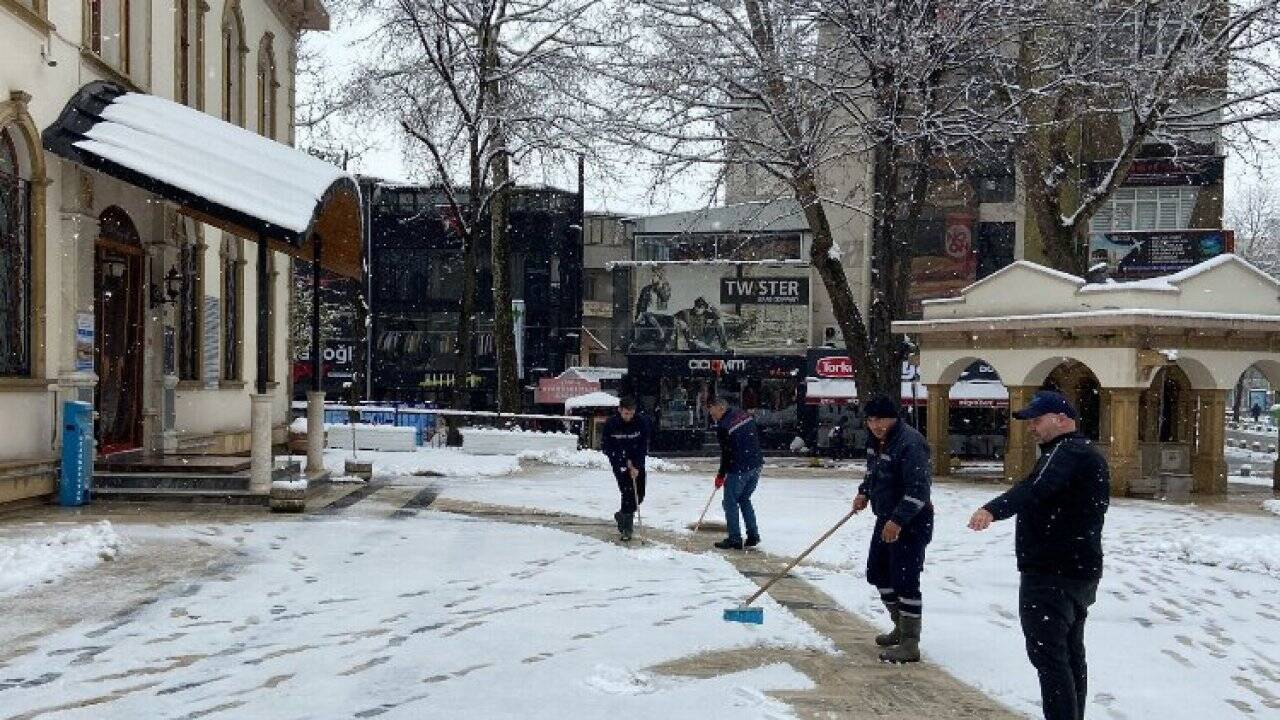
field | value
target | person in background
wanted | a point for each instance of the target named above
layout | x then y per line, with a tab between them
626	444
740	463
1061	506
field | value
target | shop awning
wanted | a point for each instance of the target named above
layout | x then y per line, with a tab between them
591	401
965	393
215	172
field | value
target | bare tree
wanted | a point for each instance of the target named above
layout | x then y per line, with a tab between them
1088	83
479	86
801	93
1254	215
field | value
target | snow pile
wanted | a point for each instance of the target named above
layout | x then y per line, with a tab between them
26	563
513	431
1272	506
591	459
443	462
1248	554
289	485
620	681
489	441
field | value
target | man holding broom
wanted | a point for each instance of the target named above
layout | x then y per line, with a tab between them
740	463
626	443
897	489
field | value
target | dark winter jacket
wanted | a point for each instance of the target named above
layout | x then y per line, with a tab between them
739	442
625	441
1060	507
898	475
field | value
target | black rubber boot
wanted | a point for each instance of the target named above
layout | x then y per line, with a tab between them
617	518
908	651
729	544
752	540
628	524
893	637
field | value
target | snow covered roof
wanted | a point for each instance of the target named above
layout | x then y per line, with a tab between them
593	373
784	215
1225	288
215	171
591	400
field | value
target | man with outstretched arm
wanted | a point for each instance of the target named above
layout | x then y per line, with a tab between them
897	488
1060	506
626	444
740	464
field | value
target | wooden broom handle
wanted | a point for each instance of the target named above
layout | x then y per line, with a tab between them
705	508
802	556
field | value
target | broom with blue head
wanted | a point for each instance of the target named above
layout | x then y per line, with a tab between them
755	615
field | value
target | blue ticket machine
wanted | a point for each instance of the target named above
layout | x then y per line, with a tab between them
77	454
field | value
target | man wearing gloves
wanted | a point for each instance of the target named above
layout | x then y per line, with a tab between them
897	489
1060	507
740	464
626	443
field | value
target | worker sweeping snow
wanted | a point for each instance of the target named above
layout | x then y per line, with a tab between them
626	444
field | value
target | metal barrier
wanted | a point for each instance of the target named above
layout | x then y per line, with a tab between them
427	421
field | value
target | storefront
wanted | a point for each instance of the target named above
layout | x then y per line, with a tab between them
675	390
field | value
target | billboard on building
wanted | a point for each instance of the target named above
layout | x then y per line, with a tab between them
1137	255
714	307
944	262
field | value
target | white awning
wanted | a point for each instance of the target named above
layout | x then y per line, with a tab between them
591	400
214	171
966	393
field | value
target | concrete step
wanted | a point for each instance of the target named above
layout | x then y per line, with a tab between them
168	481
225	497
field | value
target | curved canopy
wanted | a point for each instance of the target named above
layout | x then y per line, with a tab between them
215	172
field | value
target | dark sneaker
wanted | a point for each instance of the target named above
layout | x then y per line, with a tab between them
729	544
752	541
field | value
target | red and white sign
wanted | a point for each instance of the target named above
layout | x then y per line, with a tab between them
835	366
554	391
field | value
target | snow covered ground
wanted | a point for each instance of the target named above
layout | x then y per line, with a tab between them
1187	623
49	553
441	616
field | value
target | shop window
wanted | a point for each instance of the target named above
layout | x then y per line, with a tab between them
190	298
1146	209
15	262
233	53
232	296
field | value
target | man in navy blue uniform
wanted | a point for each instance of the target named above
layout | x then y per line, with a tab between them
1061	507
626	443
740	464
897	489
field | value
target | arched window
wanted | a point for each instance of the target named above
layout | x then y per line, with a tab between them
188	82
15	261
267	85
233	52
232	296
115	31
190	298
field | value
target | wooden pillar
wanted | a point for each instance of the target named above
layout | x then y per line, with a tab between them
1123	453
1208	464
1020	448
939	428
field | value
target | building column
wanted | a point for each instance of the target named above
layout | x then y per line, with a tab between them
315	398
1123	453
939	428
261	461
1020	449
1209	464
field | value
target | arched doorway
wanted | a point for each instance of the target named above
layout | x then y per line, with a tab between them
1076	381
118	313
1251	436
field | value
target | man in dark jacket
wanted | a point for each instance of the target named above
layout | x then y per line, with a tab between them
626	443
740	463
897	489
1060	506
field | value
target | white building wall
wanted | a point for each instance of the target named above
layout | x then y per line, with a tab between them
46	59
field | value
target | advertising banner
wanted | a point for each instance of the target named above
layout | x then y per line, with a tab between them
721	307
1138	255
945	262
554	391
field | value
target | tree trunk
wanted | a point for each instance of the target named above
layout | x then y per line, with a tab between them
504	321
500	249
467	305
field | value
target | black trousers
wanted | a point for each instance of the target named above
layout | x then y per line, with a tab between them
894	568
629	499
1053	610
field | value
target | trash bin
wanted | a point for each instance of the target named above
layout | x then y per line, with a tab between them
77	454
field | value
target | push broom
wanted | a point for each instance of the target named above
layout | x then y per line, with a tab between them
744	613
705	508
